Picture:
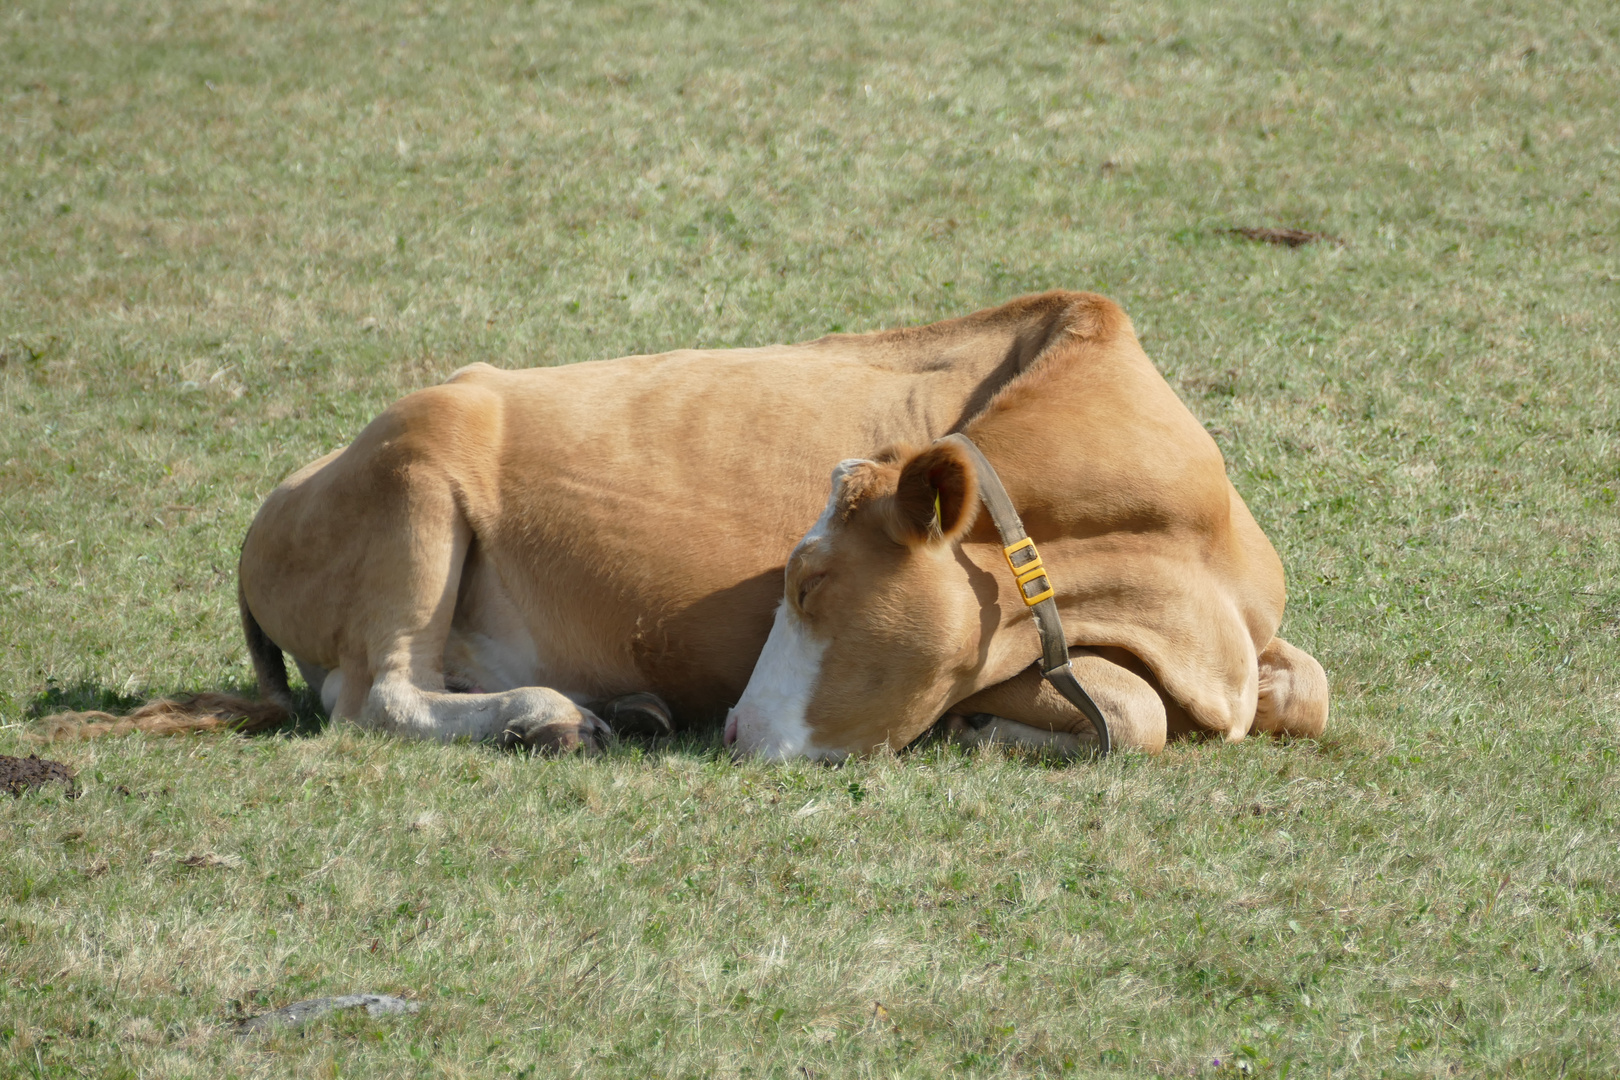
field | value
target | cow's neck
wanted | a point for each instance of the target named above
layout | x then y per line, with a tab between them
1092	445
1009	641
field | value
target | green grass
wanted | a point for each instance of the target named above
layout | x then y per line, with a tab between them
230	233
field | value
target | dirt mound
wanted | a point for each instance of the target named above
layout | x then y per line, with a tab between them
18	774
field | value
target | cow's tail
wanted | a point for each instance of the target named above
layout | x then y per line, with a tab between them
207	711
269	666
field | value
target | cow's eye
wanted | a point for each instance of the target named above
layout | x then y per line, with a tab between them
807	585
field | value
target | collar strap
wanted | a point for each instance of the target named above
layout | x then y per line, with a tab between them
1035	587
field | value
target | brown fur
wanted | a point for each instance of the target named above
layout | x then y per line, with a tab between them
1158	565
1119	683
195	713
269	666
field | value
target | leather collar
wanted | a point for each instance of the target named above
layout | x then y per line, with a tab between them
1035	587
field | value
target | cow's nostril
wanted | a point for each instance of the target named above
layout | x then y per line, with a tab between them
731	729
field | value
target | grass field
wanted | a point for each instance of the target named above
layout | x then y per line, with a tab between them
231	232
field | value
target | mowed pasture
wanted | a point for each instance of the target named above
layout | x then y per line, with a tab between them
230	233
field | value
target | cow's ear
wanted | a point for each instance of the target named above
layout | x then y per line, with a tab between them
937	497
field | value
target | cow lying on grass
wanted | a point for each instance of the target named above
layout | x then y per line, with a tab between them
531	556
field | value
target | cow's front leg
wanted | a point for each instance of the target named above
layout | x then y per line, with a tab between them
534	717
988	729
1027	711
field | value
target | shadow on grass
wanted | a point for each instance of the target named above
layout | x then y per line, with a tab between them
702	742
306	720
309	720
705	744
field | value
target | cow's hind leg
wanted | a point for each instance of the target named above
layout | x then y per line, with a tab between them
535	717
1026	711
407	695
1293	692
391	676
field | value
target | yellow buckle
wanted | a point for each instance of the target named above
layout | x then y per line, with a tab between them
1028	571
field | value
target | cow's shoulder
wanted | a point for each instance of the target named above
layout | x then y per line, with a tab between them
472	373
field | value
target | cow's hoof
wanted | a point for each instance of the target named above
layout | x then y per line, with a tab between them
638	716
584	732
956	727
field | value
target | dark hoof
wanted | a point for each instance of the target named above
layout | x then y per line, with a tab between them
636	716
948	728
542	735
960	728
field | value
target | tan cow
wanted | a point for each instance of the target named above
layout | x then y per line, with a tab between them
515	554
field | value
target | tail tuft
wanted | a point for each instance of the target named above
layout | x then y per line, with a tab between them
169	716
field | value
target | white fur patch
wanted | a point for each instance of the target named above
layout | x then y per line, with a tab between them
330	689
769	721
771	715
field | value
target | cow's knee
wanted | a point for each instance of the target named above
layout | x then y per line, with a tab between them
1293	692
1128	701
534	717
987	729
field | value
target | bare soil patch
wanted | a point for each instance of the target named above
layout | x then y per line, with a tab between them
19	775
1285	237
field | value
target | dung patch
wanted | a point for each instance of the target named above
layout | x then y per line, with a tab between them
19	775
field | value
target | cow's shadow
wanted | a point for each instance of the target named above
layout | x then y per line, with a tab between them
696	742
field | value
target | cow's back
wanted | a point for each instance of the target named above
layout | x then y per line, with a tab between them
651	501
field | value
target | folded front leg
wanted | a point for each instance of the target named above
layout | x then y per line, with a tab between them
1026	710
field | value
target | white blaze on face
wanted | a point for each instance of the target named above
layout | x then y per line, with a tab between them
769	721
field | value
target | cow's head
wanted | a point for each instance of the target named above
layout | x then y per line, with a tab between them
880	628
